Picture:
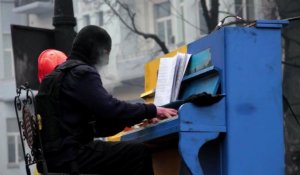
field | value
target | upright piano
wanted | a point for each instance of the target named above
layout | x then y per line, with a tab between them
242	134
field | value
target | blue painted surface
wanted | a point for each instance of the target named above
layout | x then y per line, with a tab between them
215	43
203	118
199	61
204	80
198	125
189	145
200	73
254	140
248	61
271	23
208	84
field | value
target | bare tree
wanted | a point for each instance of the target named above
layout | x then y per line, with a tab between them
131	25
291	83
270	10
211	16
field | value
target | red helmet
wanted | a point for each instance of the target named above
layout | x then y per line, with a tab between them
48	60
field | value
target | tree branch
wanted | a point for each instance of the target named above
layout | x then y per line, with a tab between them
210	16
290	64
214	12
118	15
205	13
133	28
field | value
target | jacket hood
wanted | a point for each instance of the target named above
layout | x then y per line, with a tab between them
90	43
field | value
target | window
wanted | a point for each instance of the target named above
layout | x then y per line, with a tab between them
7	57
245	9
7	41
15	153
162	12
181	30
86	20
100	18
8	64
202	22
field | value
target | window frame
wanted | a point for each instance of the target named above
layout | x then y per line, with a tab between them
19	157
164	20
181	26
100	18
245	9
86	18
203	30
11	60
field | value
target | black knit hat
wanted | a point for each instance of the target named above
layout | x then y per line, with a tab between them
90	43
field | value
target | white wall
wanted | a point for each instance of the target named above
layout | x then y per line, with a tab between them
7	17
192	15
7	87
41	20
7	111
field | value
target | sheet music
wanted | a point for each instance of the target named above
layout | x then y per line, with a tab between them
182	65
170	75
165	81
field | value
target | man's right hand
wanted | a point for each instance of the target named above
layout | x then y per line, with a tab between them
163	113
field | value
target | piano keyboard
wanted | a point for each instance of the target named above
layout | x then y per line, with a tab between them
152	131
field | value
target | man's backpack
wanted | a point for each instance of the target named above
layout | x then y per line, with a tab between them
48	106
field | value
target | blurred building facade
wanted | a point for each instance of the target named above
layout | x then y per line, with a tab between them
176	22
10	147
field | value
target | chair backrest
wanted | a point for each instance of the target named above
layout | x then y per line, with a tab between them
30	125
29	128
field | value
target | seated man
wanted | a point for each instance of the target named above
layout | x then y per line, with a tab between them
75	108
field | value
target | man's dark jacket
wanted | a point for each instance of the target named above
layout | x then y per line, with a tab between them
86	110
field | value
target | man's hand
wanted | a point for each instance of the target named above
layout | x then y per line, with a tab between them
163	113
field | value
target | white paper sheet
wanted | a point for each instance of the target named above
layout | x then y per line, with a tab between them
170	75
165	80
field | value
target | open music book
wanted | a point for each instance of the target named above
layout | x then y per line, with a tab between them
170	74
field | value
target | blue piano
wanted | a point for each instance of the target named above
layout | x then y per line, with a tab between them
242	134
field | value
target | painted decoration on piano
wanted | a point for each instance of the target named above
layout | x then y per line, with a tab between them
201	76
199	61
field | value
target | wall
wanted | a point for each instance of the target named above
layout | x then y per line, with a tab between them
7	85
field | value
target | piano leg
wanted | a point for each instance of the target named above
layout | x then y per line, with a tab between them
189	147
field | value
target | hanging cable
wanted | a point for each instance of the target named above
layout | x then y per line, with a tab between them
221	23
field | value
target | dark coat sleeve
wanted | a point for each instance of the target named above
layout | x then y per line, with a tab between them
111	114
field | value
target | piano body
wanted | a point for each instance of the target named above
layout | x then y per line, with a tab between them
242	134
